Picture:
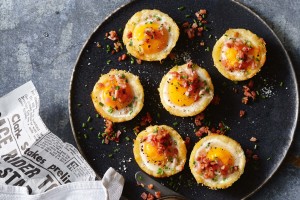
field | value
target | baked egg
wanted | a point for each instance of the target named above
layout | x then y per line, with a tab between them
239	54
150	35
217	161
160	151
118	96
186	90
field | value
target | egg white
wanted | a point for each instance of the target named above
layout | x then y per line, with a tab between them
150	16
246	36
195	108
170	167
224	142
124	114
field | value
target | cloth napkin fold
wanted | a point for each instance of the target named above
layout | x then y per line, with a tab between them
109	188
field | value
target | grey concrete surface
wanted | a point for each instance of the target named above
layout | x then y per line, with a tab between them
40	41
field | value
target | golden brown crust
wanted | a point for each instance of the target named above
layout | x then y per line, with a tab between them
127	113
139	18
148	167
246	35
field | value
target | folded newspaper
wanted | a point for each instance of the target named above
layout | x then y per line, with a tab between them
30	155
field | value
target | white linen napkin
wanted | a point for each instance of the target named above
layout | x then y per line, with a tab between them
109	188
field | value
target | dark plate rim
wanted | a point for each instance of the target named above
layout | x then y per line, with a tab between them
293	128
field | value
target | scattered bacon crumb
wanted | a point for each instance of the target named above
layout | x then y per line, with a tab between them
172	56
147	119
110	135
150	197
150	186
202	130
195	29
123	57
202	43
242	113
216	100
139	61
187	141
144	195
255	157
136	130
109	126
253	139
117	46
245	100
157	194
199	118
112	35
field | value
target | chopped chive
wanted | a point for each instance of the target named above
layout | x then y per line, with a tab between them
107	48
181	8
120	30
91	128
89	119
110	110
110	155
85	136
175	123
281	84
140	177
108	62
130	43
269	158
209	36
160	171
158	115
127	138
97	115
101	104
206	49
117	87
203	16
131	60
102	141
83	125
187	16
79	104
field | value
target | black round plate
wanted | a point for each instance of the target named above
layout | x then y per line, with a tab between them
271	118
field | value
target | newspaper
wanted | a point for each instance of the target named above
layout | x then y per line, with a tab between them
30	155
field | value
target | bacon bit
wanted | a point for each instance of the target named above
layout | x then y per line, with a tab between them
136	130
216	100
113	35
202	43
199	118
202	11
109	126
242	113
144	195
251	84
110	135
150	186
146	119
255	157
123	57
202	130
195	28
113	51
139	61
172	56
253	139
190	33
187	141
117	45
245	100
150	197
157	194
129	35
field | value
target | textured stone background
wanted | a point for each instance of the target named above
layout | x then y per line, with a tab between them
40	41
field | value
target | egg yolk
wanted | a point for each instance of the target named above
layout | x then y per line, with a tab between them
221	154
231	55
116	96
151	37
178	93
152	152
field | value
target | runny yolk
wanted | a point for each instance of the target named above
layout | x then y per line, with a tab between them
116	96
152	152
152	37
221	154
178	94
